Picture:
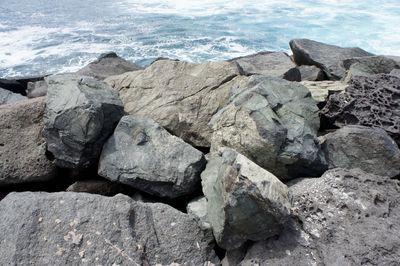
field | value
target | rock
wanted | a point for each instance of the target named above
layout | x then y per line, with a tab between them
395	72
145	156
368	101
7	97
234	257
81	114
18	84
180	96
274	123
321	90
346	217
368	66
22	148
311	73
274	64
84	229
370	149
95	186
244	201
197	208
107	65
36	89
327	57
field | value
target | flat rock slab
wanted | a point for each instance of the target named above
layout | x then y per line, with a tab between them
7	97
22	148
83	229
145	156
96	186
321	90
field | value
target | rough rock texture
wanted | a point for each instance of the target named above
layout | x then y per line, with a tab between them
22	148
311	73
108	65
274	64
7	97
370	149
95	186
327	57
145	156
18	84
345	218
395	72
81	114
320	90
197	208
36	89
180	96
83	229
368	101
274	123
244	201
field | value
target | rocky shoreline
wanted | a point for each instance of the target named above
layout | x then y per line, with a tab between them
267	159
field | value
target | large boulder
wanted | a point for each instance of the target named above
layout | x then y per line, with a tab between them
273	64
81	114
368	101
83	229
370	149
7	97
107	65
145	156
180	96
346	217
22	148
327	57
244	201
274	123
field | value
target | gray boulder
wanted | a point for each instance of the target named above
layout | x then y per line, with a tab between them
36	89
107	65
7	97
370	149
274	123
274	64
145	156
311	73
346	217
197	208
321	90
96	186
244	201
84	229
81	114
180	96
22	148
327	57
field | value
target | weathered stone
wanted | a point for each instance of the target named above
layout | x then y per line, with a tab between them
321	90
84	229
145	156
274	123
327	57
22	148
273	64
7	97
18	84
395	72
370	149
244	201
311	73
107	65
36	89
368	101
81	114
180	96
96	186
346	217
197	208
234	257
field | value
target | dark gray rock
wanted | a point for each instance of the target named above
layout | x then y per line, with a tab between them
327	57
370	149
22	148
84	229
108	65
395	72
368	101
7	97
145	156
96	186
346	217
36	89
244	201
81	114
311	73
274	64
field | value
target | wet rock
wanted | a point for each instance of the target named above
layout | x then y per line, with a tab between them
36	89
22	148
81	114
244	201
84	229
180	96
145	156
95	186
311	73
7	97
321	90
325	56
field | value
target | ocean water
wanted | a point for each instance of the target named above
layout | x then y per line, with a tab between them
52	36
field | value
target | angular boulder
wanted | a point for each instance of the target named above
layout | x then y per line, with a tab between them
311	73
368	101
145	156
197	208
83	229
244	201
36	89
274	123
22	148
180	96
81	114
321	90
325	56
7	97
